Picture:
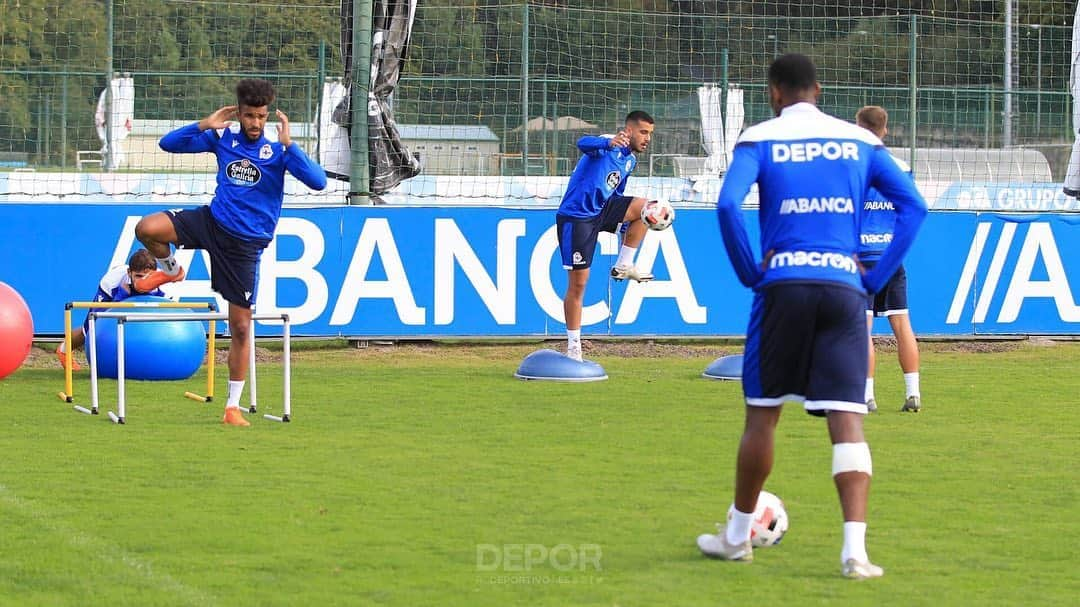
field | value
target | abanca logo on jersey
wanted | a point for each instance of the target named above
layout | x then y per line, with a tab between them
243	172
613	178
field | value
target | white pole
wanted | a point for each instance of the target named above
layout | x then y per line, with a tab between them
92	349
120	406
251	365
286	332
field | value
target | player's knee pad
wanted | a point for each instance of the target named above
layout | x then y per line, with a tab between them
852	457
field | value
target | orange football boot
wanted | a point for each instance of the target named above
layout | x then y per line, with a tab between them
234	417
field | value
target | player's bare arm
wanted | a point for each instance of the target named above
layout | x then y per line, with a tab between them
219	119
283	130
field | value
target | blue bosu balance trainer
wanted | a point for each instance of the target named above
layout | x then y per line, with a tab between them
550	365
727	368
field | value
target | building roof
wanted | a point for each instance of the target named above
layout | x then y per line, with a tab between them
447	132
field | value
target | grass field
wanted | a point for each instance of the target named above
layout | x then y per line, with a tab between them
428	475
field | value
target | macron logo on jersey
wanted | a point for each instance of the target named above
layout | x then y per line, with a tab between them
812	150
814	259
830	204
876	238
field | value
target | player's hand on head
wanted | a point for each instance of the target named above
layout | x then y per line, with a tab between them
283	130
220	118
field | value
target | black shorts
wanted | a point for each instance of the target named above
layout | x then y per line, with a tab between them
234	262
807	343
577	235
892	298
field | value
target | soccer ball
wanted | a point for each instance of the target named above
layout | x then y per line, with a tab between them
770	520
657	214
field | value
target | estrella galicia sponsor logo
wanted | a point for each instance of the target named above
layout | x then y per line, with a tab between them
814	259
243	172
613	179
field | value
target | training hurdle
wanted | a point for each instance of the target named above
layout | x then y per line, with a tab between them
120	416
68	394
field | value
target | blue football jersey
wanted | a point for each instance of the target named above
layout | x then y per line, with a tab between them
813	171
115	285
600	174
878	221
251	176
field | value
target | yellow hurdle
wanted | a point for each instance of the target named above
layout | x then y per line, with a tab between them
68	395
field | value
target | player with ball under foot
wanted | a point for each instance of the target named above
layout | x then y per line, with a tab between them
594	202
806	339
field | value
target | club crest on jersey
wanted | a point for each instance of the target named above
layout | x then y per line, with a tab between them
265	152
613	178
243	172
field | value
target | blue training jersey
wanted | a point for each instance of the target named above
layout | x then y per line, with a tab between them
878	221
600	174
813	172
251	176
115	285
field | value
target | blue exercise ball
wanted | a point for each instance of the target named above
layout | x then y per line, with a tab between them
166	350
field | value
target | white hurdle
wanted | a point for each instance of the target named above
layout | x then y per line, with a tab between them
125	317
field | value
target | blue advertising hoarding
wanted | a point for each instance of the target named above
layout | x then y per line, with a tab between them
484	271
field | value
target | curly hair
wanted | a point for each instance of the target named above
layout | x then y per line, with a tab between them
255	92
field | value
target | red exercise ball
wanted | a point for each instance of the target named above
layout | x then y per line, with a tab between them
16	330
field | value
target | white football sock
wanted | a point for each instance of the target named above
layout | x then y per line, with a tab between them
911	383
869	389
169	265
854	542
738	528
626	256
236	388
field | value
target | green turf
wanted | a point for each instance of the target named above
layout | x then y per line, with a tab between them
406	465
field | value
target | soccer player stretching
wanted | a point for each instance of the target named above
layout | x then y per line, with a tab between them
878	218
240	220
594	203
806	339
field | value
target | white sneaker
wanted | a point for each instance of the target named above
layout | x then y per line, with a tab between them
717	547
860	570
574	352
623	272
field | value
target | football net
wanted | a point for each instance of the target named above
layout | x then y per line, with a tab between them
494	95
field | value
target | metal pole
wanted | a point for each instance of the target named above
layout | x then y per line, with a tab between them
1038	82
525	90
63	121
360	170
913	97
1006	113
107	156
321	79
